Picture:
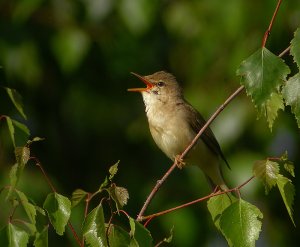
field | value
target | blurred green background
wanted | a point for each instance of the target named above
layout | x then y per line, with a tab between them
71	61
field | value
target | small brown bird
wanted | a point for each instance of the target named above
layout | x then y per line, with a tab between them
174	123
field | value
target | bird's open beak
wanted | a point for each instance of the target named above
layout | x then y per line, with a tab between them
148	84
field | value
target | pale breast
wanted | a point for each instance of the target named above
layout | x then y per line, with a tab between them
170	131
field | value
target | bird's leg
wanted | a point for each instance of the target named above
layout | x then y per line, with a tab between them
179	161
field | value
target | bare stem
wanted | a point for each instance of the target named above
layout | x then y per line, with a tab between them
284	52
75	234
217	193
267	33
188	148
38	163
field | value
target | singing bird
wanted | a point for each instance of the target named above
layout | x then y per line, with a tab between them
174	123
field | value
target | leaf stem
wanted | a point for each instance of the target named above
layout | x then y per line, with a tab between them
38	163
284	52
268	31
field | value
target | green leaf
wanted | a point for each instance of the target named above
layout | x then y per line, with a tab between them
17	100
216	206
287	191
119	195
13	236
113	170
14	175
11	129
289	167
22	127
295	47
104	184
41	238
58	208
272	106
77	196
28	207
170	238
262	74
118	237
35	139
267	171
22	155
93	228
291	94
240	224
140	236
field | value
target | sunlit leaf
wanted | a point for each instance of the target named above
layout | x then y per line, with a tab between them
272	106
77	196
295	47
113	170
216	206
41	238
119	195
13	236
17	100
287	191
240	224
267	171
118	237
58	208
291	94
170	238
262	74
35	139
140	236
289	167
22	155
94	228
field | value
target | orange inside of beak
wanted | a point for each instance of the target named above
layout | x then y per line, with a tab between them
148	84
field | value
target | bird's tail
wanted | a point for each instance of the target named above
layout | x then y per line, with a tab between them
214	186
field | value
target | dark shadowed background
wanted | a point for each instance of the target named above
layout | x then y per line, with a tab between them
71	62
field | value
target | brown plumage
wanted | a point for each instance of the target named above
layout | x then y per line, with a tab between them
174	123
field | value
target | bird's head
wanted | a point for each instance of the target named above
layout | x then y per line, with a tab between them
160	87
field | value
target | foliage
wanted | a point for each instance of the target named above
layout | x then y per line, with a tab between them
268	82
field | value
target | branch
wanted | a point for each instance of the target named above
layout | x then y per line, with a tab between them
219	192
267	33
185	152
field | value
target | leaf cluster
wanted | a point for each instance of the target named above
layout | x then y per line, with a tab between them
265	77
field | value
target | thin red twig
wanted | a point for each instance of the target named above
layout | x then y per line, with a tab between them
38	163
152	216
267	33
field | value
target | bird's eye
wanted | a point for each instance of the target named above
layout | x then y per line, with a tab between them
160	84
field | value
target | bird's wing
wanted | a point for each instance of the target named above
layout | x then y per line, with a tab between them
197	122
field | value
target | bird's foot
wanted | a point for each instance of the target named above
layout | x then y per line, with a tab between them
179	161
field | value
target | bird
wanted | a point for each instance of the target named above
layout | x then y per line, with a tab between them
173	123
